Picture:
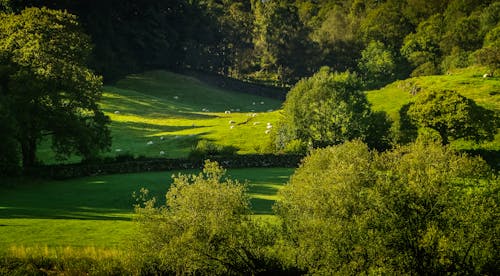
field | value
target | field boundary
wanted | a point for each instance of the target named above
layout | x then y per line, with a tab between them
68	171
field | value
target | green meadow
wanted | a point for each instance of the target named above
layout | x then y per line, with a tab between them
172	112
467	82
97	211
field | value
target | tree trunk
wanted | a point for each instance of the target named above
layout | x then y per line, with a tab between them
28	147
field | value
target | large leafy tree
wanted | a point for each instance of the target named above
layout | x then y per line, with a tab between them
49	90
328	109
453	116
419	209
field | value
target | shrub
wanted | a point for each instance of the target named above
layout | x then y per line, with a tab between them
207	149
204	228
418	209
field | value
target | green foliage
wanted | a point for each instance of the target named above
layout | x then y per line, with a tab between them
419	209
327	109
281	41
205	148
453	116
204	228
47	86
489	55
377	65
422	48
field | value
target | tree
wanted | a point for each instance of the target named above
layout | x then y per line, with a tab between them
377	65
422	48
282	44
489	55
205	228
453	116
48	88
418	209
327	109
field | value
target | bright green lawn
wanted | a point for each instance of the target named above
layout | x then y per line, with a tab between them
148	106
96	211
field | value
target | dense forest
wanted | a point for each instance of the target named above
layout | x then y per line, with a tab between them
279	42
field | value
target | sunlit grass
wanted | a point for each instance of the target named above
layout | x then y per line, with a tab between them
174	112
467	82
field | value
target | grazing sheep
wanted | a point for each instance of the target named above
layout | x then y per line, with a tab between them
269	126
254	114
253	103
161	138
267	131
231	127
150	142
261	102
231	122
118	150
117	112
162	153
227	112
269	110
176	97
486	75
256	123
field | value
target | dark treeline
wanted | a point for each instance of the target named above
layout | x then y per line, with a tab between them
281	41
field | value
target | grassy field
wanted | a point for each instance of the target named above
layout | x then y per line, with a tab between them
468	82
182	110
97	211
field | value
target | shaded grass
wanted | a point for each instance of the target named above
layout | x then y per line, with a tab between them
97	211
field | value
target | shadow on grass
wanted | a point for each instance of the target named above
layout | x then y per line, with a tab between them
262	206
32	213
263	189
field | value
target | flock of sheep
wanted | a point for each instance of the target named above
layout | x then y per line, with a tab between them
232	123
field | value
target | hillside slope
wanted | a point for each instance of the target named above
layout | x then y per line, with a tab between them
468	82
163	114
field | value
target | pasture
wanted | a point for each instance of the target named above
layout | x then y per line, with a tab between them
159	111
97	211
467	82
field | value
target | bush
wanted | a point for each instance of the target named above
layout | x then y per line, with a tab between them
205	228
206	149
418	209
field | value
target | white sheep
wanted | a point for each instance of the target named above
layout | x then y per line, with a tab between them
237	110
231	122
161	138
150	142
253	103
117	112
176	97
118	150
162	153
256	123
231	127
269	126
486	75
227	112
261	102
267	131
254	114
